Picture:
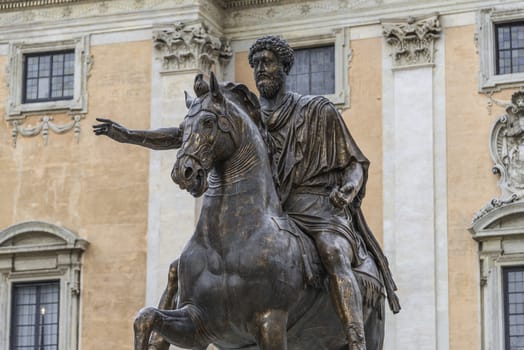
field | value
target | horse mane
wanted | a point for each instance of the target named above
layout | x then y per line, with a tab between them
249	99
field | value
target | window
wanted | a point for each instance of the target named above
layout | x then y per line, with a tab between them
40	274
321	66
510	47
313	72
513	285
500	37
34	315
49	76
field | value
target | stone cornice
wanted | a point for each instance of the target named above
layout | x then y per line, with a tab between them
412	40
23	4
231	4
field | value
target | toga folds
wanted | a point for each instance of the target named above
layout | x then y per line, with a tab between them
310	148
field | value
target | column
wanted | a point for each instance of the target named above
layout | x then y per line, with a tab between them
180	52
415	238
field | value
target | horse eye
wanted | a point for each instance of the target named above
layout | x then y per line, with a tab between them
208	123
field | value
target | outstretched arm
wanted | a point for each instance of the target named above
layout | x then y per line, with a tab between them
159	139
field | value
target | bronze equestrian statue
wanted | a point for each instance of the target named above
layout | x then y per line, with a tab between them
320	176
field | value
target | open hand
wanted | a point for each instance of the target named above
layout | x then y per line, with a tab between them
111	129
342	196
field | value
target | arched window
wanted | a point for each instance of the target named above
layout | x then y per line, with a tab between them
40	274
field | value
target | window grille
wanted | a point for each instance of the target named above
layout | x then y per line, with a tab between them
34	315
513	280
49	76
510	47
313	72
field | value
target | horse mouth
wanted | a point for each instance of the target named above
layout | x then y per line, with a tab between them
199	184
190	176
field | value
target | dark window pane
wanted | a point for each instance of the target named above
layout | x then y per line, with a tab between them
58	65
68	85
69	63
313	71
44	66
32	67
57	87
35	316
510	48
514	307
43	88
49	76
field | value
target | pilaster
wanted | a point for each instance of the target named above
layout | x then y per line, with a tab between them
414	191
181	51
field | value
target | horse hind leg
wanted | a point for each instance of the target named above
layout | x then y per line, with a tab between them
167	302
176	327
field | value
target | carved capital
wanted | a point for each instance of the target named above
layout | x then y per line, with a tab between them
185	47
412	40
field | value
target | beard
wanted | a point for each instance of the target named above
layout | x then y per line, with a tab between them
270	85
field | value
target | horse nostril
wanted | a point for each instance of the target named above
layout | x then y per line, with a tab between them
188	172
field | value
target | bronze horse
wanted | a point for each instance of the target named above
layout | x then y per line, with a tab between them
244	278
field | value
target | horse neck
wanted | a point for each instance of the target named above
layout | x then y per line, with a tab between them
247	172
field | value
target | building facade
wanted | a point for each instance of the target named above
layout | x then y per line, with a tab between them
430	91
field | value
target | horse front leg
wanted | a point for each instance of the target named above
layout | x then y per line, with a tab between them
176	327
272	330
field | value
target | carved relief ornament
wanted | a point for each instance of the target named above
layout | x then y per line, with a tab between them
507	152
187	47
412	40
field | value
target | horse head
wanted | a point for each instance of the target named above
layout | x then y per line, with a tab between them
212	131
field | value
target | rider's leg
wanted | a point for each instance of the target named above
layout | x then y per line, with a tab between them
272	330
167	302
176	326
374	327
336	254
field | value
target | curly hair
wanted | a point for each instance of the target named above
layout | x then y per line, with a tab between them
278	46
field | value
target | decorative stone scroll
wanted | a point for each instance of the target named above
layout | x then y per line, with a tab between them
46	123
188	47
412	40
507	152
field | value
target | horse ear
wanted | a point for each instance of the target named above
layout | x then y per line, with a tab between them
215	88
200	86
189	99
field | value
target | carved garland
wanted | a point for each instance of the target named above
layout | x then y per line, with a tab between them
191	47
46	124
412	40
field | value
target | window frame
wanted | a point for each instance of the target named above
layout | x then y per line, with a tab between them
505	298
13	320
498	49
487	20
332	46
16	108
36	251
25	77
340	39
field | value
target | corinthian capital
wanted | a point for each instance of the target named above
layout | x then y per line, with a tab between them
412	40
189	47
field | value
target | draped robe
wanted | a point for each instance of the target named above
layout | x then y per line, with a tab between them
310	149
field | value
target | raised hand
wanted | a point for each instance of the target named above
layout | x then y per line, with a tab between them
111	129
